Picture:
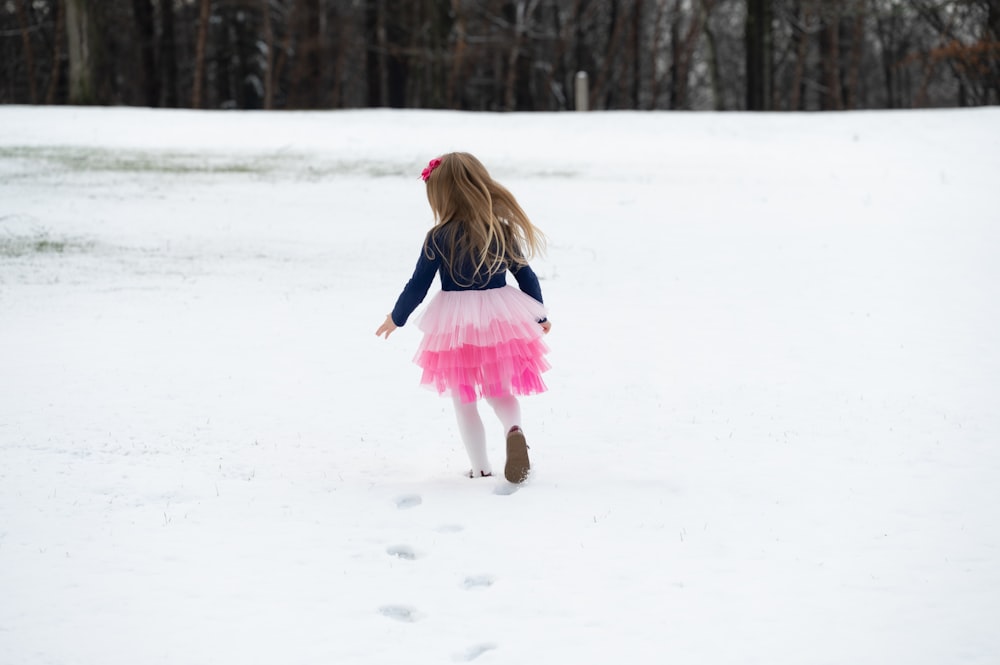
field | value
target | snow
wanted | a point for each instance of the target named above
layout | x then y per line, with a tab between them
770	436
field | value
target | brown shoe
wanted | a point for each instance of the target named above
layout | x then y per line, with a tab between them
517	467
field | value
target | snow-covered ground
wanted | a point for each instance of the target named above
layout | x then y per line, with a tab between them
771	434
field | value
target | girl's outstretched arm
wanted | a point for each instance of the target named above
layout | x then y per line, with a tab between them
387	327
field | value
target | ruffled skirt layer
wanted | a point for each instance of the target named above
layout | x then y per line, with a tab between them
482	344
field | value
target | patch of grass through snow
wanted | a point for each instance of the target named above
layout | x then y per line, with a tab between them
132	161
14	246
313	166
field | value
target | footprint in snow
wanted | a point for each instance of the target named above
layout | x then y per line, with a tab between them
478	581
404	552
402	613
474	652
505	489
405	501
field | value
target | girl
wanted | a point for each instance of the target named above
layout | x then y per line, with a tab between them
482	338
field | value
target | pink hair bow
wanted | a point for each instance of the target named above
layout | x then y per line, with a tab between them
433	164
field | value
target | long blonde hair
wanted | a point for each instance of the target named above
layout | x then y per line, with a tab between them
490	230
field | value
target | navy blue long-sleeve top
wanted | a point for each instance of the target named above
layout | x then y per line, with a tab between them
423	275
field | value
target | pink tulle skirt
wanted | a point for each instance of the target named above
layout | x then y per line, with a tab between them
482	344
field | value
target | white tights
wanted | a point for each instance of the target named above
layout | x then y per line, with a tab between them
470	426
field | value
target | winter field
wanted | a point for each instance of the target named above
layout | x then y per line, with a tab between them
771	436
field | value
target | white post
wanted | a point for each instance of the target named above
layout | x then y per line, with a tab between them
582	91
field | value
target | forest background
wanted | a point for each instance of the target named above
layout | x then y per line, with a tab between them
502	55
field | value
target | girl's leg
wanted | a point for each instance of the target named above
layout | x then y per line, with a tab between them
508	410
470	426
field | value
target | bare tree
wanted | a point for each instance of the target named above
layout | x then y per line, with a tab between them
199	57
146	31
83	52
457	55
893	42
832	98
265	11
58	44
168	54
29	56
857	36
759	55
502	54
803	27
971	55
714	74
685	42
524	10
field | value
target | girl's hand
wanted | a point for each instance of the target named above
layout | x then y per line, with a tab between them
546	326
386	328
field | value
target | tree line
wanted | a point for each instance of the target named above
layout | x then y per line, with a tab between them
502	55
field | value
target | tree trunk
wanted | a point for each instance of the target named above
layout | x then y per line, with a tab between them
634	54
606	73
146	30
584	59
457	56
554	94
417	93
321	65
60	40
655	56
307	80
397	63
715	79
581	61
199	53
885	30
993	20
29	56
801	39
857	46
268	30
925	83
168	54
81	39
378	72
338	81
759	55
833	99
675	40
684	53
281	58
523	11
